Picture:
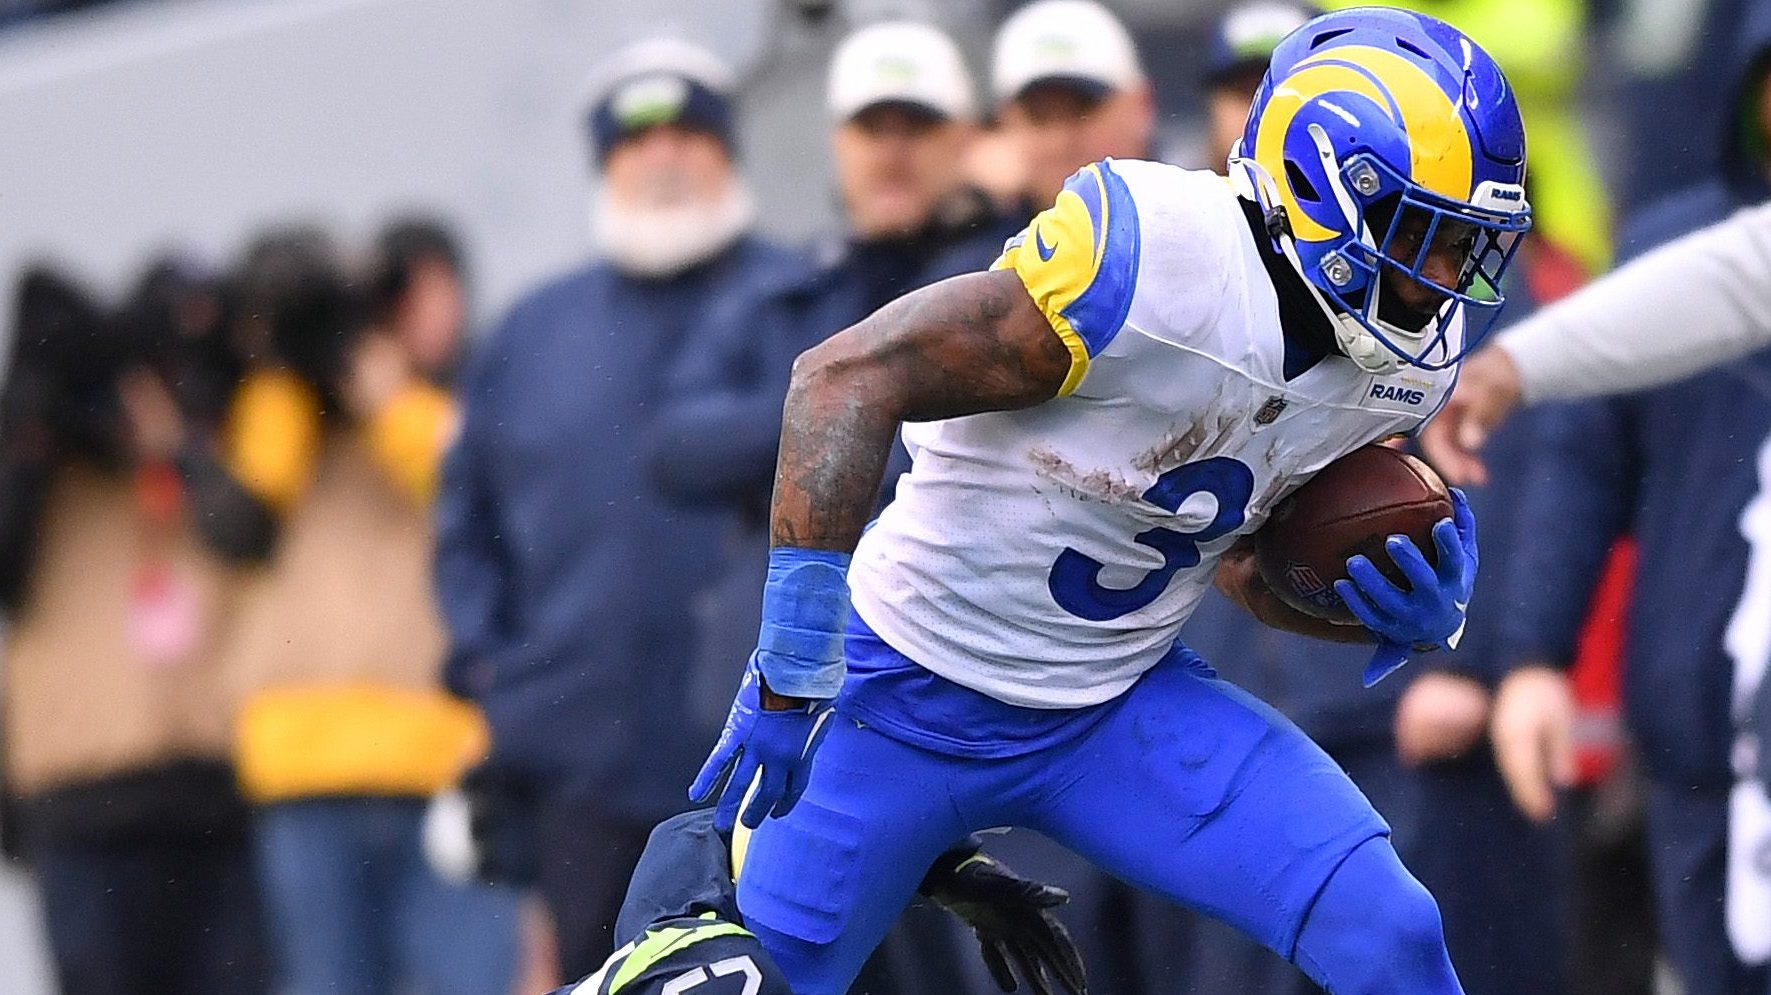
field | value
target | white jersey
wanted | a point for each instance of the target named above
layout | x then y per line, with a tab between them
1047	557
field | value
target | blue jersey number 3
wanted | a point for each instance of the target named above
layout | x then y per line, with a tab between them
1076	577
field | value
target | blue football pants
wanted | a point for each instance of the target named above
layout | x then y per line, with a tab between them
1188	787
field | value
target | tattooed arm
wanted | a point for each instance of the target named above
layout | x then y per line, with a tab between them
966	345
962	346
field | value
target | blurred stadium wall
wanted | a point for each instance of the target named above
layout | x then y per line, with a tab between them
193	122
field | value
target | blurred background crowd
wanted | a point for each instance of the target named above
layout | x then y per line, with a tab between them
388	426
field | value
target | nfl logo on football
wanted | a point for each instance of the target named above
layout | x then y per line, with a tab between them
1309	586
1304	581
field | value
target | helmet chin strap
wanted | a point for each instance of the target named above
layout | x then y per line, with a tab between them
1362	347
1358	344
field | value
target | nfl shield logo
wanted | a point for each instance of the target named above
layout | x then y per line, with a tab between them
1270	411
1306	582
1308	585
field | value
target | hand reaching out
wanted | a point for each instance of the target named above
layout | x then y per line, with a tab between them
1487	391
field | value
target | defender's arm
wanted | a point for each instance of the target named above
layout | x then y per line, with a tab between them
971	344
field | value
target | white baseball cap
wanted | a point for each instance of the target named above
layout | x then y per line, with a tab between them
1078	42
903	62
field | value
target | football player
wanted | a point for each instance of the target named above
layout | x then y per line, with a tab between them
1158	359
688	936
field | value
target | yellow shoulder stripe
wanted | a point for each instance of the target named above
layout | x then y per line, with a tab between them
1078	259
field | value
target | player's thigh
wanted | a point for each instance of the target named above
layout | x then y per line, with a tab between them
821	885
1199	792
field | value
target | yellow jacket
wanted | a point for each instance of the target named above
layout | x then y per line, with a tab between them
337	646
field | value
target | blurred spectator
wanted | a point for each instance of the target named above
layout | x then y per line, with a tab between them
407	365
1743	173
117	735
903	107
1670	466
902	103
1663	91
1541	44
12	11
1673	466
1635	464
1241	45
418	295
184	307
343	733
993	164
566	579
1070	90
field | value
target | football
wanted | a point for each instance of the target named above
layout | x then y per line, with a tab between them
1351	506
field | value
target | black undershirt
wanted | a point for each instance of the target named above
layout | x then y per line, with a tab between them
1309	337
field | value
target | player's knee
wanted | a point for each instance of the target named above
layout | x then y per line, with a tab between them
1400	914
1409	921
1375	930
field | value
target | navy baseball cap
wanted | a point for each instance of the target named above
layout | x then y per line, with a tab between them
661	81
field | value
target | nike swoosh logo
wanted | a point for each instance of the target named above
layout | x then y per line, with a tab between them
1045	251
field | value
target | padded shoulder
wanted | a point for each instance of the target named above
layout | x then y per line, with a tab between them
1079	261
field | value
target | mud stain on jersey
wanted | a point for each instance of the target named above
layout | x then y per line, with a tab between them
1277	484
1202	438
1176	447
1205	436
1095	485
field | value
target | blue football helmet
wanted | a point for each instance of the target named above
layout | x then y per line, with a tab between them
1377	137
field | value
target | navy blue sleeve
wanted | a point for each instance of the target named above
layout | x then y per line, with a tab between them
716	438
685	870
1573	505
469	571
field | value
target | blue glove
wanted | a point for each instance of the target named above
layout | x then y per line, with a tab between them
1428	615
1385	660
798	655
780	743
